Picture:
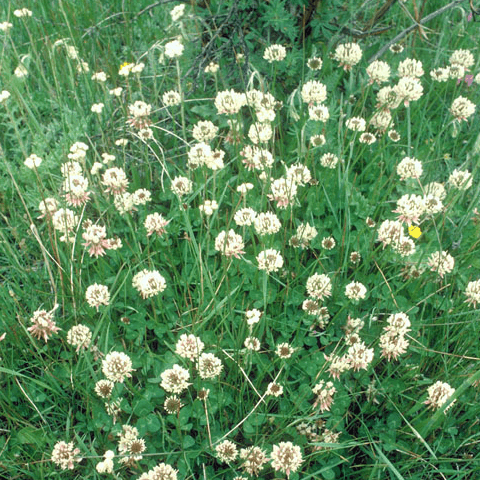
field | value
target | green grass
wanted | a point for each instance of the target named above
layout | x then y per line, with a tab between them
378	425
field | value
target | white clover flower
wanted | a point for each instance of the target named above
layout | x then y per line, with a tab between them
462	180
348	54
99	77
410	68
33	161
270	260
462	108
409	167
378	71
355	291
314	92
275	53
117	366
177	12
97	107
174	49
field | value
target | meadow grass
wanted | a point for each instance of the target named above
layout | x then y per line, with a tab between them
232	247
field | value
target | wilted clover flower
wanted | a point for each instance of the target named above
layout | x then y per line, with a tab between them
315	63
209	366
348	54
284	350
274	389
462	108
270	260
286	457
189	346
441	262
378	72
229	244
314	92
172	404
95	239
64	454
409	167
79	336
117	366
104	388
43	324
319	286
149	283
226	451
254	458
324	392
355	291
175	379
317	140
472	292
367	138
438	394
275	53
410	68
328	243
252	343
97	295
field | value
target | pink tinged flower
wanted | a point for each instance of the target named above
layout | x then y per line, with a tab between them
324	391
95	240
43	324
286	457
155	223
63	455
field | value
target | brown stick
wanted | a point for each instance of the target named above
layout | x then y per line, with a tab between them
413	27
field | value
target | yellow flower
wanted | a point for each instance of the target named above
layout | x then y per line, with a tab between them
126	64
414	231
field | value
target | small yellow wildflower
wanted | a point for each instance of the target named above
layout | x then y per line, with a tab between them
414	231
